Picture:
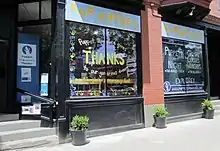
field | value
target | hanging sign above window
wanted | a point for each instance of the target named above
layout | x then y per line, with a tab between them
181	32
90	14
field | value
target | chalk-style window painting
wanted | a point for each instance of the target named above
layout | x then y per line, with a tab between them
102	61
183	66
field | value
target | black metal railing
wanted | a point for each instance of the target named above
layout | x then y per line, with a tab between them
48	108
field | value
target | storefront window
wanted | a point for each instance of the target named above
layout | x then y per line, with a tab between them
102	61
121	64
183	66
87	60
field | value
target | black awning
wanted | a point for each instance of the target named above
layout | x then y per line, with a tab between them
186	10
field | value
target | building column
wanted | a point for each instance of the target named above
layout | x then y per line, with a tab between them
152	61
60	76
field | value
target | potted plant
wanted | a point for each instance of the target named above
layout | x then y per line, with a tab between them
160	114
208	109
79	126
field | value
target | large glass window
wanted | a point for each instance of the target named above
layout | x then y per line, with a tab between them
102	61
121	63
183	66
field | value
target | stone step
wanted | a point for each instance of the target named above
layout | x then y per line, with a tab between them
19	125
30	143
26	134
8	117
214	98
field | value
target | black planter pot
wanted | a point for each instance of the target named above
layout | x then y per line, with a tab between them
78	137
209	114
160	122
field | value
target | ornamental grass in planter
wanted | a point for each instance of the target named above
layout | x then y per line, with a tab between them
208	109
160	115
79	127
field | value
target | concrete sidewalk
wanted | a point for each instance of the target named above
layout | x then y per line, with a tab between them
195	135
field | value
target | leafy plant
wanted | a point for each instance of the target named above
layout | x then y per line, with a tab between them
160	111
80	123
207	105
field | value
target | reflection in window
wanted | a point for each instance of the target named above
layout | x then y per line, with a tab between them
102	61
46	9
87	60
34	10
121	64
28	11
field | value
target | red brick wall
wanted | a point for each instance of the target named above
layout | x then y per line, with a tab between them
152	57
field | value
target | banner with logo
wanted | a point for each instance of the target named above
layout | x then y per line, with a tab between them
90	14
28	66
175	31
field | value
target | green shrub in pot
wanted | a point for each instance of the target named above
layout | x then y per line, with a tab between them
160	115
79	127
208	109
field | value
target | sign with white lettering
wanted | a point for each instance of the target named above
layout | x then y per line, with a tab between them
181	32
90	14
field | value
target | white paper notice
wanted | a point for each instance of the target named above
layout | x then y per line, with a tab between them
25	74
25	99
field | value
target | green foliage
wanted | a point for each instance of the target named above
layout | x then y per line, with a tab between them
160	111
207	105
80	123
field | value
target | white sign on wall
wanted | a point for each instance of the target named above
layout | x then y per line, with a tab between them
90	14
26	55
25	74
181	32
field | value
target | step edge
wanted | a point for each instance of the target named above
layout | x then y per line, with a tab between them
26	143
25	130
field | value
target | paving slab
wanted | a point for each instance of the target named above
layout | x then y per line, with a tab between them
193	135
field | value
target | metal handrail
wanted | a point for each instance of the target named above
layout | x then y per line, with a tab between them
48	100
51	102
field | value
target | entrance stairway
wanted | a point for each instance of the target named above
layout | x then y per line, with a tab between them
15	135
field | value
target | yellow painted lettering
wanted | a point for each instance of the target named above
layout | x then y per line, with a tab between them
135	24
101	59
93	57
73	7
122	21
87	52
110	59
128	21
82	12
96	54
122	61
90	11
115	59
101	17
116	16
109	17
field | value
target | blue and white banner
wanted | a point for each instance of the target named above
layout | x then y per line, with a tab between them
90	14
175	31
